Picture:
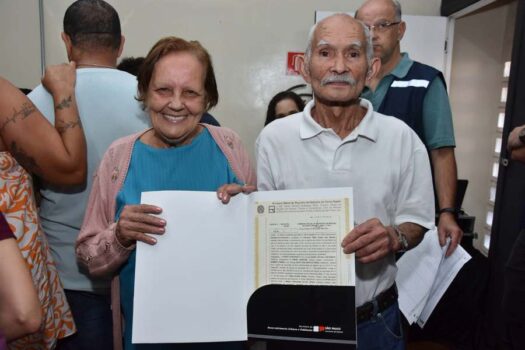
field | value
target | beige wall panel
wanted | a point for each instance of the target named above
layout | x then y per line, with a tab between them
477	68
20	43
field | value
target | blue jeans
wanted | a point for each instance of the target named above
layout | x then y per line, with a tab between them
92	315
382	332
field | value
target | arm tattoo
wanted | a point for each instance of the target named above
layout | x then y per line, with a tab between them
65	126
65	103
25	160
26	109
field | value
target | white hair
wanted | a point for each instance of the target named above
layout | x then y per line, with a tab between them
369	49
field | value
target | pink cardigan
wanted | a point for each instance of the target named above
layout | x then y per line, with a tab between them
97	247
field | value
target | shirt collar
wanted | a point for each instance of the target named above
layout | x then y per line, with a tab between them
367	128
402	68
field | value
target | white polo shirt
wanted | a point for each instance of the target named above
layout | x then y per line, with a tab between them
382	159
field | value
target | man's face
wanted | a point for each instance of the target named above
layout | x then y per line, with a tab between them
380	15
337	67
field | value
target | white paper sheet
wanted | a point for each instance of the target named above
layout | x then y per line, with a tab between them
209	258
424	274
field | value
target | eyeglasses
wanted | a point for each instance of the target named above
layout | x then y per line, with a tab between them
383	26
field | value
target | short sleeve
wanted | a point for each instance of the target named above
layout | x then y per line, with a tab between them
437	117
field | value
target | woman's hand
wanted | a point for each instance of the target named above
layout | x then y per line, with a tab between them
135	223
225	192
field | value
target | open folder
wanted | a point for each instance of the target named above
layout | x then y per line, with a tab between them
194	284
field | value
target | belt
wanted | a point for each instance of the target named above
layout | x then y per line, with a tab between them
380	303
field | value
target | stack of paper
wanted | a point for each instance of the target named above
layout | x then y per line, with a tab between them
424	274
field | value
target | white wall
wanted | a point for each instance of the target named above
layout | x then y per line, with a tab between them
248	40
20	42
481	44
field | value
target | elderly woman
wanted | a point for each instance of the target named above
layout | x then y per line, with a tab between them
177	85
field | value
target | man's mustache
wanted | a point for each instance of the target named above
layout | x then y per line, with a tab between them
342	78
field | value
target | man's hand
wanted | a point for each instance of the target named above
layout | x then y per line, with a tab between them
225	192
370	241
514	141
135	223
515	146
448	227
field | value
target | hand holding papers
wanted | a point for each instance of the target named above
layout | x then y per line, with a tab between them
194	284
137	220
424	274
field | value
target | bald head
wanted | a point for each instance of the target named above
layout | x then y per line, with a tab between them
383	17
334	23
393	5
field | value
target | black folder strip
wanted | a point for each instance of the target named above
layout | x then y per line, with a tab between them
313	340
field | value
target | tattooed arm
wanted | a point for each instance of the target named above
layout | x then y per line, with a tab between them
57	154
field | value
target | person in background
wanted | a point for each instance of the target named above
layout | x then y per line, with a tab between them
29	144
20	311
177	86
107	105
416	94
283	104
132	66
514	277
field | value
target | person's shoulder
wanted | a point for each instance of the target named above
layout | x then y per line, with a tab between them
222	133
4	83
110	86
420	67
283	127
390	123
97	76
125	141
394	127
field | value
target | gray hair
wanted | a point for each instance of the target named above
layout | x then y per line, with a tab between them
368	39
397	10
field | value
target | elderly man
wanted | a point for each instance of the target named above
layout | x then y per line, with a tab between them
338	140
416	94
107	106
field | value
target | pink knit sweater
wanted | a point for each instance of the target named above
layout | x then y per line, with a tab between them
97	247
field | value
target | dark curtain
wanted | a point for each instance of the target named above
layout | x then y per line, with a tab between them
510	198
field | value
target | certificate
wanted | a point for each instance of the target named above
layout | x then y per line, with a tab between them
298	242
194	284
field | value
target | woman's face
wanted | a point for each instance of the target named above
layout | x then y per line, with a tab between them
176	99
285	107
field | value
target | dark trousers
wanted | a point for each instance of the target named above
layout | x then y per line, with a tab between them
382	332
92	315
514	295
